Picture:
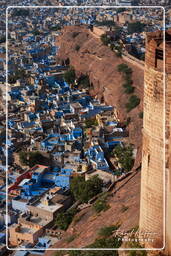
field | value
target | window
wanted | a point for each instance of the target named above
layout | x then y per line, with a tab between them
159	54
158	57
148	159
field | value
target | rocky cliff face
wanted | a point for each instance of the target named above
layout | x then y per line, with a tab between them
88	55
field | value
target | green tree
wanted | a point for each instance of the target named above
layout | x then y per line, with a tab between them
133	102
70	76
76	186
77	47
129	89
105	40
84	81
101	204
135	27
108	231
124	69
89	123
23	158
35	158
85	190
31	158
125	156
65	218
127	83
136	253
127	75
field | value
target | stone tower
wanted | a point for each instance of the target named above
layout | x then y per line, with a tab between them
168	143
153	214
152	176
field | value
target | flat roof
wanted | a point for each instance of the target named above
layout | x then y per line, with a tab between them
51	208
39	168
39	221
54	190
23	229
27	230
